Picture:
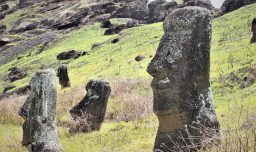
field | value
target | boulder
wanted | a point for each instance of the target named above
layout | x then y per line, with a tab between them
106	24
2	16
39	113
201	3
9	87
4	41
93	106
72	54
183	99
231	5
62	73
15	74
253	39
139	58
25	26
115	40
116	29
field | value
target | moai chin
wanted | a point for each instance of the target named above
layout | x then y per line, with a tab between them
39	113
183	99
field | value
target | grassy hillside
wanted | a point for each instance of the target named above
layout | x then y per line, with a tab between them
232	59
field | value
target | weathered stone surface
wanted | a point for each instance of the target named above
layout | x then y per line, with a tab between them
253	39
183	99
25	26
39	113
201	3
231	5
62	73
72	54
15	74
116	29
4	7
93	105
4	41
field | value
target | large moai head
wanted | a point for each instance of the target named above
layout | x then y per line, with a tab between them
181	86
39	113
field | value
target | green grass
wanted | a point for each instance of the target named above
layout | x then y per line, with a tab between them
230	51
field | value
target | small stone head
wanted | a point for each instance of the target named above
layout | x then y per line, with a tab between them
39	110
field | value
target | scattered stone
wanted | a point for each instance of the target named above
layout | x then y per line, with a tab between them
115	40
20	91
4	7
93	106
2	16
95	45
231	5
9	87
42	48
15	74
116	29
182	94
201	3
25	26
62	73
39	113
4	41
72	54
106	24
139	58
253	39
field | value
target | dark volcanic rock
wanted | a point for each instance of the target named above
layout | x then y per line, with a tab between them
4	7
253	39
2	16
115	40
72	54
231	5
4	41
200	3
106	24
93	105
183	99
139	58
15	74
9	87
62	73
39	113
25	26
116	29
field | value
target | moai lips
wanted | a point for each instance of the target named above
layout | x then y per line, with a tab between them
39	113
183	99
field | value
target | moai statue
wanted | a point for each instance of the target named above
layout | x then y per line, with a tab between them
93	106
62	73
39	113
183	99
253	40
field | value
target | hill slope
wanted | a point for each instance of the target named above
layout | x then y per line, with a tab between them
233	67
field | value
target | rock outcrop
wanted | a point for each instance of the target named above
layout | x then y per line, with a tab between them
72	54
231	5
93	106
183	99
253	39
39	113
62	73
15	74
